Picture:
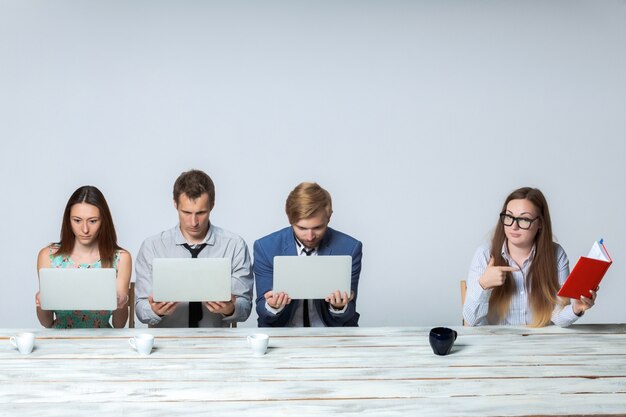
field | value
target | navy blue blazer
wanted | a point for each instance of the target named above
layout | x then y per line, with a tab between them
282	243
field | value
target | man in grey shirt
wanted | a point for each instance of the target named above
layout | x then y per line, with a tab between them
194	236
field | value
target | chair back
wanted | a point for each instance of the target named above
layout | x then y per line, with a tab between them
131	306
463	292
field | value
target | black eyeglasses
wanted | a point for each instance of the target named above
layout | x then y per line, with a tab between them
522	222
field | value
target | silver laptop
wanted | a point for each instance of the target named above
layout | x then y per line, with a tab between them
312	276
77	289
191	279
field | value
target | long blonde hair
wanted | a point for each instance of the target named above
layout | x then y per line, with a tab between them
542	282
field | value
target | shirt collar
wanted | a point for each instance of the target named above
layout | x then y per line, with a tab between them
209	239
505	253
300	247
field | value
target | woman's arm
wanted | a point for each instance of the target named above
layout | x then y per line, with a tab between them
563	314
476	304
46	317
124	268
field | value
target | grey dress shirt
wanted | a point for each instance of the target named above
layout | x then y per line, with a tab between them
169	244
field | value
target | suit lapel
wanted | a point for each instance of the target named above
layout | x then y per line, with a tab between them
289	243
325	248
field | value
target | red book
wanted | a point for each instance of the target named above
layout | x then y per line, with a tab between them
587	273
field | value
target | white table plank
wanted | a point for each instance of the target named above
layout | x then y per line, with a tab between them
365	371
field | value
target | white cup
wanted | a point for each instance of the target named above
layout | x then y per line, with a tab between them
142	343
258	342
24	342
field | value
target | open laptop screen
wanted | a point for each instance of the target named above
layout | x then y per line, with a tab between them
191	279
312	277
77	288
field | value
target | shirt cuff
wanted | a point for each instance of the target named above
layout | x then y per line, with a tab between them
335	311
272	310
572	315
233	315
153	318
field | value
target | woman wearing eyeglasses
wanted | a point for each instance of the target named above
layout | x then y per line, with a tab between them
514	279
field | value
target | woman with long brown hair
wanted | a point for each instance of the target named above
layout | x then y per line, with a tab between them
515	278
88	240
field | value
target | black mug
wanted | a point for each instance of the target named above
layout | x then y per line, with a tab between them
441	340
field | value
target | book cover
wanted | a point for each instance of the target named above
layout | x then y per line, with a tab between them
587	273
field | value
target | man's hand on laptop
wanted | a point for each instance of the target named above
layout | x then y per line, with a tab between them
277	300
339	300
162	308
226	308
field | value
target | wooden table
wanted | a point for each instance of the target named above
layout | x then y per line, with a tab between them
358	372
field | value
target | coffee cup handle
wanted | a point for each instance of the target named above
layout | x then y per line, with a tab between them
131	342
455	334
12	340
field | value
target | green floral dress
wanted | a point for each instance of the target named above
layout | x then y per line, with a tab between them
80	319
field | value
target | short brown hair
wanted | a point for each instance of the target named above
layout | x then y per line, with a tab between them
193	184
307	199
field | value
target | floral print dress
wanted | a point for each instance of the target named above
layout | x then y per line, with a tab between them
79	319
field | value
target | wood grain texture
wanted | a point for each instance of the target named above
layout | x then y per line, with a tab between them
491	371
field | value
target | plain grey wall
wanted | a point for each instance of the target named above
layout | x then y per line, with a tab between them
418	117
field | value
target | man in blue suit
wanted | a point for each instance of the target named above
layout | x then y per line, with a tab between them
308	208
